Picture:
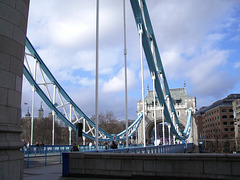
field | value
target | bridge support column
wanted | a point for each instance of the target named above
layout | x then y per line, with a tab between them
154	113
174	139
13	24
169	134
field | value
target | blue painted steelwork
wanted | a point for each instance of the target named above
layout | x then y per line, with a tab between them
134	126
187	129
56	149
143	20
61	90
44	97
177	148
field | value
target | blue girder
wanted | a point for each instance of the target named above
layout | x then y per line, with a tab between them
147	37
187	129
138	120
45	98
47	72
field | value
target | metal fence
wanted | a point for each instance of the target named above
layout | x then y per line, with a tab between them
177	148
40	156
48	154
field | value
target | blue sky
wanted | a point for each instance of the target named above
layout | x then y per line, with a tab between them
199	42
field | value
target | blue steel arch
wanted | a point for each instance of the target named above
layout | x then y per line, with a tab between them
44	97
142	19
147	38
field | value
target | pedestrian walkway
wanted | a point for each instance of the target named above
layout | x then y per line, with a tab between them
50	172
53	172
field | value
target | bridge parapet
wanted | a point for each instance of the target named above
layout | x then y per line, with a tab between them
126	165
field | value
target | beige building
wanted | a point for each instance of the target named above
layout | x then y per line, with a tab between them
236	112
182	104
216	125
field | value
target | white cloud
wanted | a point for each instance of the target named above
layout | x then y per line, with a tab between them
189	36
117	83
237	65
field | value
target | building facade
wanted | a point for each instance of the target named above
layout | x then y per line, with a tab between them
182	104
236	112
216	125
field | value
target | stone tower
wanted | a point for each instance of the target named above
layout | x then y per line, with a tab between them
40	112
182	103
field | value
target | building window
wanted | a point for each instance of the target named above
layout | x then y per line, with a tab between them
225	123
224	116
231	122
232	129
230	110
231	116
225	129
224	110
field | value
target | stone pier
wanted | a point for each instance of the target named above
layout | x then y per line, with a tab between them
13	25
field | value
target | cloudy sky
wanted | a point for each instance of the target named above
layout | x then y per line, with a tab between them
199	42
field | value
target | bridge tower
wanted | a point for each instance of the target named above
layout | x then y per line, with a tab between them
182	103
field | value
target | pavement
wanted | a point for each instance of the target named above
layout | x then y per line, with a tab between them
51	172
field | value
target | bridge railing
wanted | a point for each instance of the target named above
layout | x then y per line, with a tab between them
34	150
176	148
48	149
48	152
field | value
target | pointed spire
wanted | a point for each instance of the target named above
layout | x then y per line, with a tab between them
28	114
184	84
40	112
41	109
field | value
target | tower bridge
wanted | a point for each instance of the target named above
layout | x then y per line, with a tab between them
180	123
172	107
182	104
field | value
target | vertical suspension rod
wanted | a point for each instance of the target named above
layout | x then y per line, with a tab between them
169	134
84	130
69	128
154	90
143	96
155	117
125	63
33	97
53	113
96	96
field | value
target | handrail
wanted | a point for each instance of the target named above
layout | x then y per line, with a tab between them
177	148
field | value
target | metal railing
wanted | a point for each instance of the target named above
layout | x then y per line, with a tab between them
42	155
37	156
177	148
